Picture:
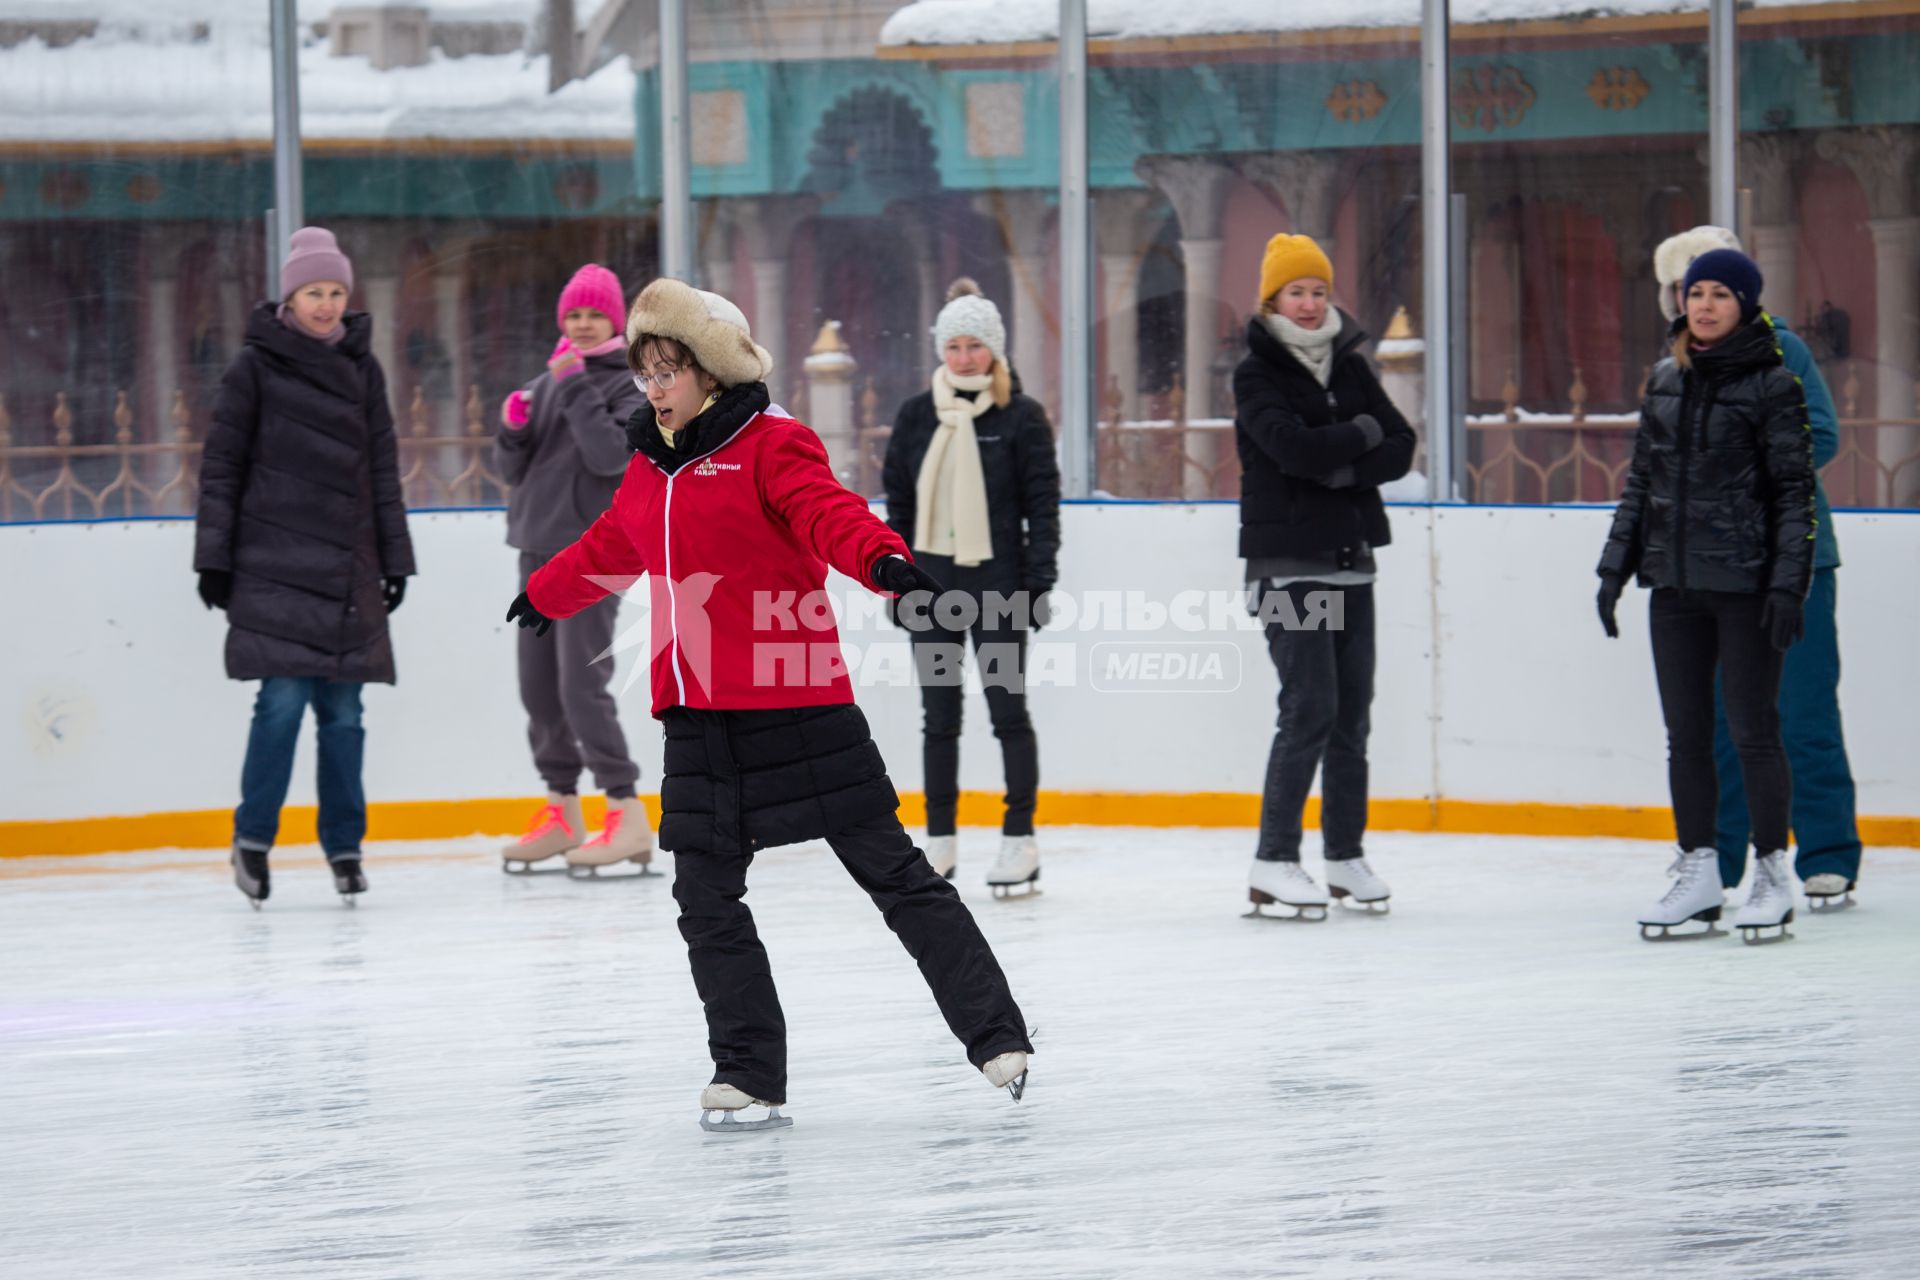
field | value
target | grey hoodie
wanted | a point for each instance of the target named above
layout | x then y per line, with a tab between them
565	464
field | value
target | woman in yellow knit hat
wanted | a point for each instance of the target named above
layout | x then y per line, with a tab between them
1317	436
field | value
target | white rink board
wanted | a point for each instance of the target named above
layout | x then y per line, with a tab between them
115	700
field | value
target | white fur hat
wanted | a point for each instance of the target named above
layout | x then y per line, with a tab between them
969	313
706	324
1676	253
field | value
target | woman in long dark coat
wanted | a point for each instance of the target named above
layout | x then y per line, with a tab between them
302	538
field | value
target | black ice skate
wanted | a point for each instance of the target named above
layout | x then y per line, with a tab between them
729	1102
250	873
348	879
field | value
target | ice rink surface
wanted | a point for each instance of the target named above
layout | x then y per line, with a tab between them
475	1076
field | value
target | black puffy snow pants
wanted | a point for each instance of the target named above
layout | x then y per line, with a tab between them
746	1031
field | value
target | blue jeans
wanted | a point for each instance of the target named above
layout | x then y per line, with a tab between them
277	713
1825	836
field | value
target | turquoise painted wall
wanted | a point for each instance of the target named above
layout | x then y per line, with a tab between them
1197	109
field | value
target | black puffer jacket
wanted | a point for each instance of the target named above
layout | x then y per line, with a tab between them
300	500
739	781
1293	434
1022	475
1719	496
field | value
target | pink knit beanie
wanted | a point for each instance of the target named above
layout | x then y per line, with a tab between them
313	255
594	287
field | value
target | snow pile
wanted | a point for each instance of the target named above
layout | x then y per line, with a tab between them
185	71
949	22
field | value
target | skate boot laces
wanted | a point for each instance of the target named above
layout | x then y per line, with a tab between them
1687	870
549	817
612	829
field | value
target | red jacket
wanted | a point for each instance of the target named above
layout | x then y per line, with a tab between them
735	537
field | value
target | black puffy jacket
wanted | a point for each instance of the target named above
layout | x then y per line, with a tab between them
1719	495
1293	434
300	500
1021	471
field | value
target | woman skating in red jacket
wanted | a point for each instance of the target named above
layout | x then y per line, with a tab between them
735	515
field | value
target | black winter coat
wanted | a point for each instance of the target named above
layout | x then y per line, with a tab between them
1719	495
1021	471
740	781
1293	434
300	500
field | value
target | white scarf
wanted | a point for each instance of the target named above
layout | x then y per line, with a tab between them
950	493
1311	347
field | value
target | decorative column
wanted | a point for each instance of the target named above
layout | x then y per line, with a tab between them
1026	222
1885	159
1769	162
1197	188
1122	239
830	368
163	311
716	250
449	319
1308	183
380	295
768	223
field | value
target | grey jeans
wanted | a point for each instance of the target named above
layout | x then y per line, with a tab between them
572	720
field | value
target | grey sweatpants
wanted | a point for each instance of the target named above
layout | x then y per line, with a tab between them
572	720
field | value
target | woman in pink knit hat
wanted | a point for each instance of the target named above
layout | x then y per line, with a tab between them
562	445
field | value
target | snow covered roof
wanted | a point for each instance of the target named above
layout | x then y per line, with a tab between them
963	22
183	71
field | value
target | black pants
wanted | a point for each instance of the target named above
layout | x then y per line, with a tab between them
1326	701
572	719
940	657
1693	633
746	1031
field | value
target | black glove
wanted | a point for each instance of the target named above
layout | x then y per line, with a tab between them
1783	618
1610	585
395	590
900	576
1039	606
523	612
216	587
1339	478
1371	425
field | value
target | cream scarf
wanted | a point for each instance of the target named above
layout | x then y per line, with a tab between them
1311	347
950	494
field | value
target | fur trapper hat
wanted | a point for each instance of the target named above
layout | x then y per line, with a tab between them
1676	253
706	324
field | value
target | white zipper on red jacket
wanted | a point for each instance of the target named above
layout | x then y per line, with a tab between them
666	542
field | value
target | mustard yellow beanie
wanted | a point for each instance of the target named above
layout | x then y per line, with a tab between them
1289	258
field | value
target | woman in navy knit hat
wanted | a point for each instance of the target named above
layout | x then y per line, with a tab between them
1718	519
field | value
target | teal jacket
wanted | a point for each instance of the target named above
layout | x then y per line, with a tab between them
1826	437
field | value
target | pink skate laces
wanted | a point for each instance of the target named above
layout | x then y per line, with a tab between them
549	817
614	818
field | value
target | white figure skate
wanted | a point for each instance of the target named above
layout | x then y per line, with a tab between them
1694	895
1769	908
1284	884
1018	864
729	1102
943	855
1828	892
1352	880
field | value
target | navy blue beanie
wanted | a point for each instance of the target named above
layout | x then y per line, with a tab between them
1731	268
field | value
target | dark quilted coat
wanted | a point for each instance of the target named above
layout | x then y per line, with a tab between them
1719	495
300	500
1293	434
740	781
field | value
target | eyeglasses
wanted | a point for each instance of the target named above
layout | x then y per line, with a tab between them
664	380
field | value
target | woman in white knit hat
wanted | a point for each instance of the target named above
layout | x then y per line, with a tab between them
731	509
974	488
